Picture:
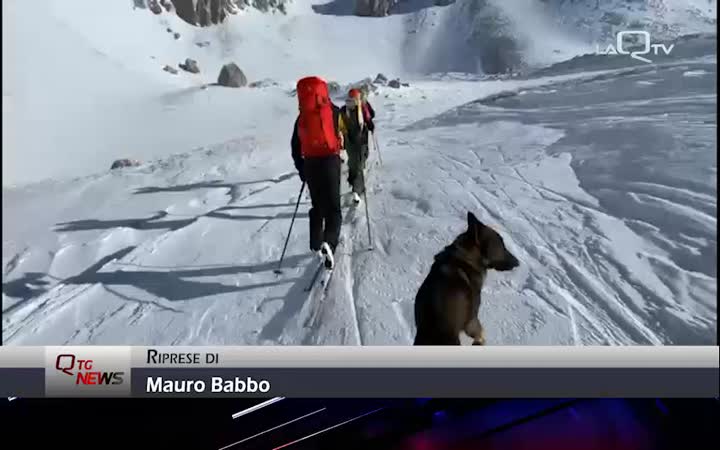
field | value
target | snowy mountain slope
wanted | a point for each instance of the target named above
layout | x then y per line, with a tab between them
495	35
182	251
599	20
644	250
211	187
108	57
617	238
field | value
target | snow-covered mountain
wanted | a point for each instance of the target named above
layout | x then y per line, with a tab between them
496	35
663	18
599	171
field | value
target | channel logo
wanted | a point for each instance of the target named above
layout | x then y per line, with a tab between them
91	371
83	371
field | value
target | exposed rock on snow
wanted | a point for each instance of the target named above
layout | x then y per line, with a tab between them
263	83
204	12
203	44
264	5
190	65
232	76
502	57
383	81
155	7
120	163
170	69
176	36
374	8
499	50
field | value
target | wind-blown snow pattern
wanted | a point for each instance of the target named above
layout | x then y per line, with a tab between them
600	172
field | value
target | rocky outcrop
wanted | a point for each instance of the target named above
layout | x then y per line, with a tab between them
503	56
232	76
204	13
263	84
395	83
170	69
374	8
497	45
120	163
190	65
155	7
264	5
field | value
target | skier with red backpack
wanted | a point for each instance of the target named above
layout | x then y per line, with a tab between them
316	145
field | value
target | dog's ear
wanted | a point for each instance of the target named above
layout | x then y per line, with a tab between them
475	227
471	219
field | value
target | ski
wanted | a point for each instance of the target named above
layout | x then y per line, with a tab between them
315	276
325	282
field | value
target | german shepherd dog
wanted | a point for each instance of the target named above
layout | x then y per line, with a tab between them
449	299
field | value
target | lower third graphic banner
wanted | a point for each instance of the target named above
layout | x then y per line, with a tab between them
345	372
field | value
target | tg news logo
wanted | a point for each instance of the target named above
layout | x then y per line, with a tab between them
84	371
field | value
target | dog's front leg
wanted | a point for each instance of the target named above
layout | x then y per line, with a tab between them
475	330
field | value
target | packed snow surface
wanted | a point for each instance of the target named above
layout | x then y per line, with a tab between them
600	173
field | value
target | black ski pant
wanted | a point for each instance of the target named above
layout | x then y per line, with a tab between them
357	159
323	179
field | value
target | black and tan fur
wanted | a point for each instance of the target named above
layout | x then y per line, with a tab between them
448	301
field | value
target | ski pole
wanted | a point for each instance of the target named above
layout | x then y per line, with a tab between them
377	148
367	219
292	222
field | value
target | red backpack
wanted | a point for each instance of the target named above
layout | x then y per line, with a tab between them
316	124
